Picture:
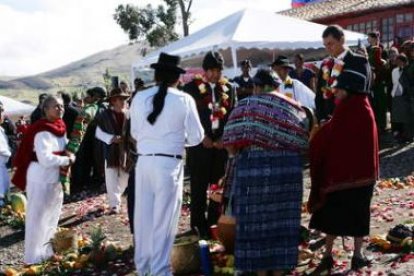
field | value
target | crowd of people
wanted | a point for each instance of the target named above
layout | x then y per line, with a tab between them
258	128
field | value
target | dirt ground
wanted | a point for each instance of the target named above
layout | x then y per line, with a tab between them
389	208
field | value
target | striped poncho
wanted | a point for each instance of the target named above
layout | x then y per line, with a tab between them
271	121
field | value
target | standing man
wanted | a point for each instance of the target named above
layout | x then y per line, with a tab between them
379	100
110	124
215	98
292	88
70	115
37	113
341	59
304	75
5	154
163	121
245	84
407	82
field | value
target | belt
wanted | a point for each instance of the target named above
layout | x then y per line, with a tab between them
163	154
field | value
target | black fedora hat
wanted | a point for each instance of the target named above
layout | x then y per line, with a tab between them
169	63
281	61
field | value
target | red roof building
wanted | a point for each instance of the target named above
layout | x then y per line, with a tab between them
392	18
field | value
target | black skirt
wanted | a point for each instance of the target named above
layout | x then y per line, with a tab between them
345	213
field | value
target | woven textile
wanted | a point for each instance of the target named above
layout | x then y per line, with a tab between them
267	206
269	121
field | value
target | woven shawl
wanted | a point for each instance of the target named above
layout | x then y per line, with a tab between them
271	121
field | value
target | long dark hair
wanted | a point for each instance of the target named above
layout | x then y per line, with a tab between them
164	79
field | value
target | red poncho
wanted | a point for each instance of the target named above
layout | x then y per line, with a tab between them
344	153
24	154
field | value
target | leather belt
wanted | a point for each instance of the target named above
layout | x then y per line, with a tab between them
163	154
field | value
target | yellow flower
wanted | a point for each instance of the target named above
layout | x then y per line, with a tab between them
224	96
223	81
223	110
198	77
202	88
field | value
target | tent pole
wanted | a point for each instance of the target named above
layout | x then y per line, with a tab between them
234	58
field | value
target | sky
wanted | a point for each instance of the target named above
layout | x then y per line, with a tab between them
40	35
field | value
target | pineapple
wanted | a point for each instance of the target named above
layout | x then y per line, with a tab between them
97	255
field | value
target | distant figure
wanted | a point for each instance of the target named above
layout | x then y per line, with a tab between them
5	154
304	75
379	100
70	114
244	81
123	85
292	88
37	113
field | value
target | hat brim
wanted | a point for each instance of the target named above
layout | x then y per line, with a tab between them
168	67
122	95
282	65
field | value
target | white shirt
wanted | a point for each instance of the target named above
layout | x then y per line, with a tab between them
177	126
47	167
4	147
397	89
300	93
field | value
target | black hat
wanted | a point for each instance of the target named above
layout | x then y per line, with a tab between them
281	61
168	63
352	82
212	60
246	62
98	91
266	77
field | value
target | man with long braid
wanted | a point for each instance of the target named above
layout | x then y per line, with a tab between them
163	121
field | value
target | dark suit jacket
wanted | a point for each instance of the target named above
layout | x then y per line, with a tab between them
355	62
205	112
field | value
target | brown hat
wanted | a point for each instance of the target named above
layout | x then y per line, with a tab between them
117	92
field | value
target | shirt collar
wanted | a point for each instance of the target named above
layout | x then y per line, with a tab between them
342	55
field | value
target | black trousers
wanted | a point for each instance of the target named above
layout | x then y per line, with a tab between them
206	166
131	198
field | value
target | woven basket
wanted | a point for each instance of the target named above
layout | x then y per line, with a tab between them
185	256
65	240
227	232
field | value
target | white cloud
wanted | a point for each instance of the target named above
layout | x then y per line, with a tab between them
51	33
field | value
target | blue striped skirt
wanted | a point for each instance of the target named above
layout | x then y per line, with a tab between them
267	198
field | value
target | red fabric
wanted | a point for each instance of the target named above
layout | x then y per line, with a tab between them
344	153
24	154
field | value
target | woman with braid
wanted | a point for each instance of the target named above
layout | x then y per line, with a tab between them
163	121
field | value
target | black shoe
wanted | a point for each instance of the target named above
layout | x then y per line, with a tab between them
325	267
358	263
399	233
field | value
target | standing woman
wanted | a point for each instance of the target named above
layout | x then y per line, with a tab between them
267	134
44	145
344	166
163	121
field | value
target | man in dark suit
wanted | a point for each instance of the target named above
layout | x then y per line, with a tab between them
341	59
244	82
215	98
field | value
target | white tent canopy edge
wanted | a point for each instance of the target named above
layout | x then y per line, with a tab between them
248	29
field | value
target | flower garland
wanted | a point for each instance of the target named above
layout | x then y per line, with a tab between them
288	87
331	69
219	107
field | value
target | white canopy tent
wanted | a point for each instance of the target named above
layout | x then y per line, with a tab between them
247	29
15	108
